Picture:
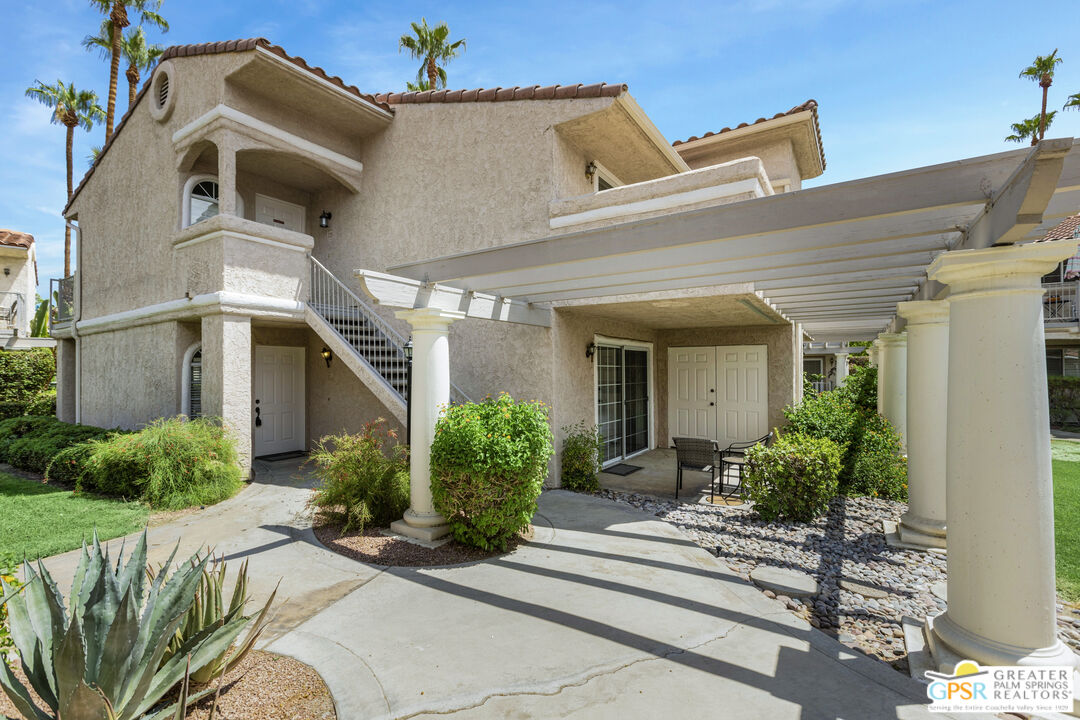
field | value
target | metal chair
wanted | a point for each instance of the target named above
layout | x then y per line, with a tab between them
694	454
735	456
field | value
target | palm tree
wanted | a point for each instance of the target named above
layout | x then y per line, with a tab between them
117	13
139	54
1042	72
1072	102
1030	129
71	108
431	48
418	86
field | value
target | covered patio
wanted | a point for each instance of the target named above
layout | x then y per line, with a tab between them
934	263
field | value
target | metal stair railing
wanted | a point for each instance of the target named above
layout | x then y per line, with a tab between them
372	338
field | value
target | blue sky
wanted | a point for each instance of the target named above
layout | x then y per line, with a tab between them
900	83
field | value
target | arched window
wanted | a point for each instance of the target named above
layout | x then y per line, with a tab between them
201	199
191	382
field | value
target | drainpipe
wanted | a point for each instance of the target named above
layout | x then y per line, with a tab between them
75	321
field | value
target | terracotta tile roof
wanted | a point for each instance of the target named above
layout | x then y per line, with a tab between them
14	238
214	48
1065	230
810	105
500	94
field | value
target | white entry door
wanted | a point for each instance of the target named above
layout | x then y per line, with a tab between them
692	392
279	400
720	393
742	405
271	211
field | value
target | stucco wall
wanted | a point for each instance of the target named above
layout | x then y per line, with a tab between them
778	157
782	359
22	279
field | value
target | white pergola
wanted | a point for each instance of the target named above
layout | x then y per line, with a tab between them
928	260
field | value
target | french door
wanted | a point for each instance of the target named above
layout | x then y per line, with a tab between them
719	393
622	400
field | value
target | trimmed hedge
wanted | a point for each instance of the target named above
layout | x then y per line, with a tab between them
1064	402
31	443
25	374
794	478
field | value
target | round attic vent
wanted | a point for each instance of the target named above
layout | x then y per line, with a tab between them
162	92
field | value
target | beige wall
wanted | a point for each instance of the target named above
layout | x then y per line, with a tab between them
778	157
22	279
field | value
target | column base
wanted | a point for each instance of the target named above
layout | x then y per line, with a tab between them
921	532
421	526
949	644
891	530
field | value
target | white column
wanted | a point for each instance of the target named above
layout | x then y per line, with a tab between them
226	377
892	374
430	394
841	368
999	486
226	176
877	359
927	385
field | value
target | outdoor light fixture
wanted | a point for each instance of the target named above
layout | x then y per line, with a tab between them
590	350
7	271
590	169
408	350
324	219
327	355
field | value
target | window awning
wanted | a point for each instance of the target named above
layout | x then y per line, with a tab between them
836	258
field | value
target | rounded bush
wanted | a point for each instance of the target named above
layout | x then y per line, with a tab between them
488	464
69	464
794	478
878	465
581	454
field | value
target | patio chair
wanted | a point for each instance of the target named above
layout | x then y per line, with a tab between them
694	454
735	456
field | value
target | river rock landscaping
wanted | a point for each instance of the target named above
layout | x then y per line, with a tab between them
865	586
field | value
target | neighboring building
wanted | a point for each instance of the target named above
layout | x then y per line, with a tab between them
18	291
828	359
1061	307
220	230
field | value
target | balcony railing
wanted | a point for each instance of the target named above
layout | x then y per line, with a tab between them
12	307
821	386
63	299
1060	302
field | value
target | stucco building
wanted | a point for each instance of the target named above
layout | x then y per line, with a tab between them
18	291
221	230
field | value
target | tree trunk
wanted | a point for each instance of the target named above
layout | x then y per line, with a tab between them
432	73
133	82
119	22
1045	83
67	228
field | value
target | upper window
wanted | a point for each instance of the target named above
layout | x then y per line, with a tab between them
194	409
203	201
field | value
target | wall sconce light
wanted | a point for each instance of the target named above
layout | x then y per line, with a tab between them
408	349
327	355
590	350
590	169
324	219
7	271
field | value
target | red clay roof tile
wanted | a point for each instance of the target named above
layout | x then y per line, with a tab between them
14	238
501	94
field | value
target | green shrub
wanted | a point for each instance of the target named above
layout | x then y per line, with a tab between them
31	442
830	415
581	453
1064	401
43	404
361	482
170	464
878	465
794	478
488	464
68	466
25	374
11	408
861	387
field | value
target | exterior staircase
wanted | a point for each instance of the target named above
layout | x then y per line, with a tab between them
369	346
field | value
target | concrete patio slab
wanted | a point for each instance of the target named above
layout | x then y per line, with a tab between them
657	478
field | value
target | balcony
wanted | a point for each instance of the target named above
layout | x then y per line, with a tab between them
12	312
62	291
1060	302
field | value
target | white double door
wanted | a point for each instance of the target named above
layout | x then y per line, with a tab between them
278	413
720	393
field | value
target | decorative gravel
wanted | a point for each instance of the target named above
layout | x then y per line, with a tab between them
846	544
372	546
264	686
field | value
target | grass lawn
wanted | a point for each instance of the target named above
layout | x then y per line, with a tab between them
39	520
1066	455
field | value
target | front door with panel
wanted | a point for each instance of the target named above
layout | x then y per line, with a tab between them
720	393
271	211
279	400
622	400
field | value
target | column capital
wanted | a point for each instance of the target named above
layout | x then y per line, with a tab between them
1010	267
429	318
924	312
891	339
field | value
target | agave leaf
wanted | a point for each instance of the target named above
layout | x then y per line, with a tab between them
19	695
255	630
57	600
36	657
96	567
70	666
204	648
141	674
80	574
85	703
98	612
168	601
134	574
182	701
239	596
165	713
116	652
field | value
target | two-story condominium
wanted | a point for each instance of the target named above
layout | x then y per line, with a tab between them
221	229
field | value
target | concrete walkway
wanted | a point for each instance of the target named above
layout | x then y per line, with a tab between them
608	613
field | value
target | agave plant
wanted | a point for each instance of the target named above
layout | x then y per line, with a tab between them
99	658
209	611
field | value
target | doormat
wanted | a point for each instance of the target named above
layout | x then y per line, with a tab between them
622	469
282	456
721	500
